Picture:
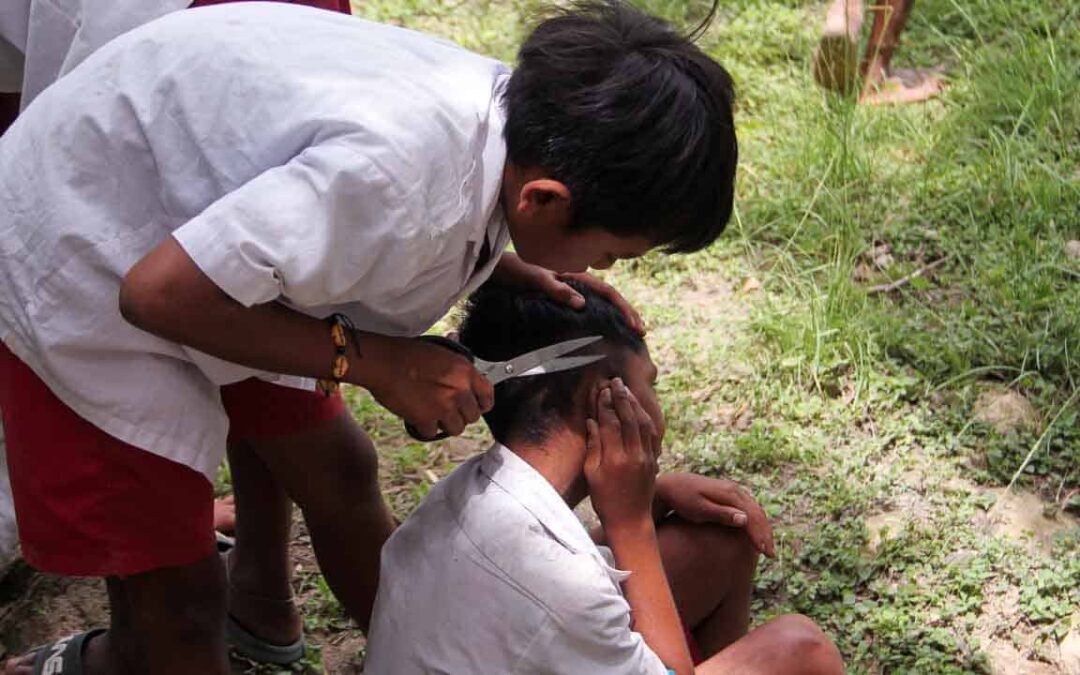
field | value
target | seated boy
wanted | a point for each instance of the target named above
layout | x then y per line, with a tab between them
494	574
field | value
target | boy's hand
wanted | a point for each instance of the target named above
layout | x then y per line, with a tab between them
620	461
514	270
700	499
428	386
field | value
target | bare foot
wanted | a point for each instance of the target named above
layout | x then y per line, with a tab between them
903	86
836	57
225	515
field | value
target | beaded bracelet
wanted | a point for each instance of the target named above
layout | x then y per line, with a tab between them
340	326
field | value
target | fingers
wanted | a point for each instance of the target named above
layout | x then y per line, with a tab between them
565	293
428	429
594	449
468	407
633	319
628	419
483	390
758	528
631	316
650	437
608	421
725	515
452	423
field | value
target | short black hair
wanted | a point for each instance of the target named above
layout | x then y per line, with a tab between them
503	322
632	117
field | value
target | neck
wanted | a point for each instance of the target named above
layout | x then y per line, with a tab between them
560	459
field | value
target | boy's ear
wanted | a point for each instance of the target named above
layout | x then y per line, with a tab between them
543	194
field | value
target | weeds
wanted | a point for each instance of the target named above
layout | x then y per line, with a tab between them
835	405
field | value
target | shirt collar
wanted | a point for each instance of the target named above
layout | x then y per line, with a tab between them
525	484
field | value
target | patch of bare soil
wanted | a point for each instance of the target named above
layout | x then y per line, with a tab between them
1069	649
1022	517
1005	410
36	609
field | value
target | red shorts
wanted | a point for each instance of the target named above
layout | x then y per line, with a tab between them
88	504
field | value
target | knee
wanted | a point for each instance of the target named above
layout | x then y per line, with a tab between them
807	645
345	471
724	545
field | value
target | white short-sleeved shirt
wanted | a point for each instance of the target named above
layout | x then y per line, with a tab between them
494	573
40	40
296	154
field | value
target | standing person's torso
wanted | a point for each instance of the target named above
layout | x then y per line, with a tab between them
54	36
175	117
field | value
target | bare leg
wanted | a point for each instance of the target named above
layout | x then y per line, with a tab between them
835	60
791	644
879	84
890	18
260	592
179	617
331	472
165	621
711	572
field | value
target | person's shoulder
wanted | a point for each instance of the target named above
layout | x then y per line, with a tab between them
565	581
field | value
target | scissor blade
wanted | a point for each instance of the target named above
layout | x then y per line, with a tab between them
538	357
564	363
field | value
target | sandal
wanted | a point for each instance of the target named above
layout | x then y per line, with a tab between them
247	644
63	657
257	649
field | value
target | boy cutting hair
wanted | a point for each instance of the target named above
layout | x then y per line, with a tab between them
494	573
232	199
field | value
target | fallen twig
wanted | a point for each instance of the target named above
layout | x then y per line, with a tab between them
892	286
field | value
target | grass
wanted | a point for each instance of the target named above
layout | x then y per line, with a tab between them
854	416
836	405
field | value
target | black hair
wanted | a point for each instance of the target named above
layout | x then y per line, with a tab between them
632	117
503	322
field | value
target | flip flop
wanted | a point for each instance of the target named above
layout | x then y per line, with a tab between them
63	657
244	641
225	543
257	649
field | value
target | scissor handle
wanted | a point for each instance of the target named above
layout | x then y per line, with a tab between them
454	346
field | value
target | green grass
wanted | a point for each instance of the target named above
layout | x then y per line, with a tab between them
834	404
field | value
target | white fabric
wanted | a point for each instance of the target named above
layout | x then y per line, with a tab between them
15	22
57	35
494	573
297	154
11	67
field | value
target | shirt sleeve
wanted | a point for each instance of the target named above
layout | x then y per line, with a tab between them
328	227
588	631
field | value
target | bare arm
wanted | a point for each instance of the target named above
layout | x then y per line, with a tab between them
621	470
166	294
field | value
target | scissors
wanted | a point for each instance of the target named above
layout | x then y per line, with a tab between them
550	359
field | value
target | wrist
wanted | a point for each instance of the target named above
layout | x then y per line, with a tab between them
640	527
367	352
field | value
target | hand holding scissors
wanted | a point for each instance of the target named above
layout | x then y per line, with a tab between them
550	359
